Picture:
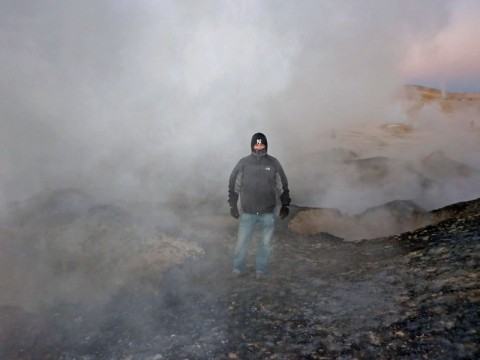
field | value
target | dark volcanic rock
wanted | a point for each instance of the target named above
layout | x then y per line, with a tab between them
412	295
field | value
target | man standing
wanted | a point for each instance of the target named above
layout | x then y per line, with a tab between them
259	179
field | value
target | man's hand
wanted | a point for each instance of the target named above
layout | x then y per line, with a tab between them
284	212
234	211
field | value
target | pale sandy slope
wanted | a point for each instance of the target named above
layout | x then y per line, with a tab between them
425	154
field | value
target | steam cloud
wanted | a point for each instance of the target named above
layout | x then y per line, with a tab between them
147	100
155	101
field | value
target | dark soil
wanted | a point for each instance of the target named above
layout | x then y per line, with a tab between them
414	295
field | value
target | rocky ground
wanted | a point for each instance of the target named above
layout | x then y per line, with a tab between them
413	295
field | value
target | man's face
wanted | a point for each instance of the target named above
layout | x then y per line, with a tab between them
258	146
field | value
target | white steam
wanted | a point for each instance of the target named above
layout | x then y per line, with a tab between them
150	103
143	101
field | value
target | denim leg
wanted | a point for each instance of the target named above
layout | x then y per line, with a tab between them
246	227
264	251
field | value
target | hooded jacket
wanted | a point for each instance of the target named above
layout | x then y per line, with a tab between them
259	180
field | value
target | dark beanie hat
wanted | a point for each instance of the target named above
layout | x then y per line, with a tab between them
259	138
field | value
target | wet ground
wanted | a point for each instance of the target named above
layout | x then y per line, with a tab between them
414	295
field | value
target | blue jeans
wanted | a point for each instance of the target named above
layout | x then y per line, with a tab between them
246	228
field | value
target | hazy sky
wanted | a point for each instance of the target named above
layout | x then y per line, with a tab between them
450	58
157	99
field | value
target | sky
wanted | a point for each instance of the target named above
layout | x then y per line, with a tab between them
157	100
449	59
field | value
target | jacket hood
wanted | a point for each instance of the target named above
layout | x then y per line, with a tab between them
259	138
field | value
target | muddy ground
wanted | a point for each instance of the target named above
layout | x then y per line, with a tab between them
413	295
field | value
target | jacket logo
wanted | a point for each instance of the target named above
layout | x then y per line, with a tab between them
267	168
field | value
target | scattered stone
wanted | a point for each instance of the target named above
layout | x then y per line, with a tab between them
410	295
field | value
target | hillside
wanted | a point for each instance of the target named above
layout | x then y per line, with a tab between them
449	102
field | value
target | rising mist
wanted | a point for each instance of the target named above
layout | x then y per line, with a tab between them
151	101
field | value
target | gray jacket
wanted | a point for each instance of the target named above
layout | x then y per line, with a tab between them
259	180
